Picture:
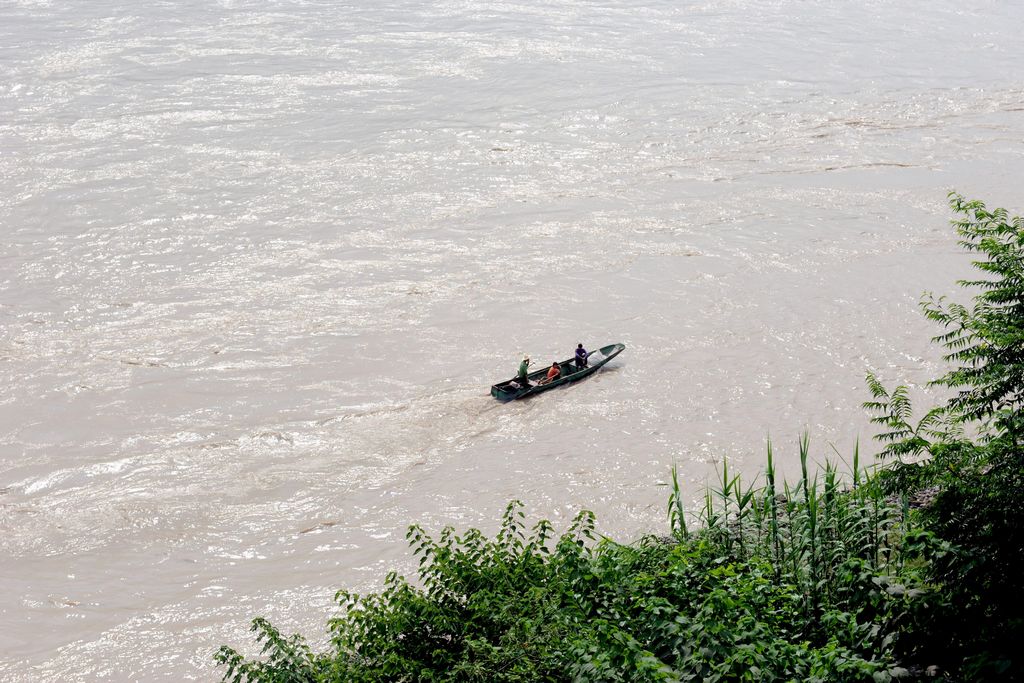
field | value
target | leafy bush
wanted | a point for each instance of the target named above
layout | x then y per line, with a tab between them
813	584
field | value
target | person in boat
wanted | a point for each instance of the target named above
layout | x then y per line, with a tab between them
581	357
522	378
553	374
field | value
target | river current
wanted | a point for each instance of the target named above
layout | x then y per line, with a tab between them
261	261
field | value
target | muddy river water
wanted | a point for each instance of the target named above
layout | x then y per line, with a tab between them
261	260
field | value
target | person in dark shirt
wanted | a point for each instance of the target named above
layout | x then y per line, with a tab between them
581	357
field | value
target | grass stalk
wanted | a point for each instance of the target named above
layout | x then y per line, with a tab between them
771	499
676	512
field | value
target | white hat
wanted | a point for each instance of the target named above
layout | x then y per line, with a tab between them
526	357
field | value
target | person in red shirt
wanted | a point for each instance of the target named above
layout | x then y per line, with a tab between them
553	374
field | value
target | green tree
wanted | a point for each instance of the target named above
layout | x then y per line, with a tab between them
974	484
986	339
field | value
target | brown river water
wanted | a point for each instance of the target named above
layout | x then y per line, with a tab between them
261	261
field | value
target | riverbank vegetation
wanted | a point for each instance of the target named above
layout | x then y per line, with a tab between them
908	571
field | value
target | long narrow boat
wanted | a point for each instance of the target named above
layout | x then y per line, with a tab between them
510	390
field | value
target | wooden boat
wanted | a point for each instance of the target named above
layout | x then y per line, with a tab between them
510	390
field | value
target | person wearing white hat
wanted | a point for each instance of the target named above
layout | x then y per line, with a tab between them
524	370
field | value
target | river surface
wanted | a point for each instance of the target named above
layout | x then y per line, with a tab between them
261	261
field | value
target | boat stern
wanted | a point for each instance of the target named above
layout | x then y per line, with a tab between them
502	394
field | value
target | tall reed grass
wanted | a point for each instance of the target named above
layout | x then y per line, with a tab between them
816	534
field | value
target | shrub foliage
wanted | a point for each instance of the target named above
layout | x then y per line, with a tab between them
815	582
